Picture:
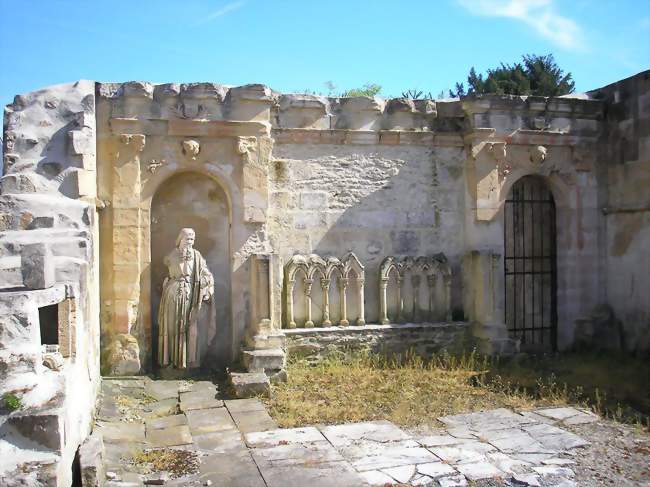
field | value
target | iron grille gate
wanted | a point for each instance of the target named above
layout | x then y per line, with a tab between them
530	265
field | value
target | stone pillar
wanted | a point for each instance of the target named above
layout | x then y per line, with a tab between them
308	283
343	289
290	320
383	301
126	252
446	280
126	232
484	292
361	320
431	281
415	284
325	284
400	301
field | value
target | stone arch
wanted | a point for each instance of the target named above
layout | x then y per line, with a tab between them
530	268
198	200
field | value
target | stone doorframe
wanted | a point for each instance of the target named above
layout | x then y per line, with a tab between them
137	159
494	163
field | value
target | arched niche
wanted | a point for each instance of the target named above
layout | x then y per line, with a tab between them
191	199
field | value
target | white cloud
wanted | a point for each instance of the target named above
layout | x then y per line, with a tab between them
538	14
227	8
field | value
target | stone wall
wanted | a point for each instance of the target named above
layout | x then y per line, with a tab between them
625	178
49	286
422	339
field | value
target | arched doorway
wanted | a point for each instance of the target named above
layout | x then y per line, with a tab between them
191	199
530	264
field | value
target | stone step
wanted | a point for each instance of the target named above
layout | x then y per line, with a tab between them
250	384
266	342
263	360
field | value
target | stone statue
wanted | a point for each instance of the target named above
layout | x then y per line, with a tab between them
189	284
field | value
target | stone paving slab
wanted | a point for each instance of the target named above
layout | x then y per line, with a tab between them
165	422
122	432
250	421
172	436
203	421
296	454
220	441
333	474
244	405
379	431
162	389
283	436
202	399
387	455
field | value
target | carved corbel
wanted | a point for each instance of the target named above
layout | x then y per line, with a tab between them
191	148
134	141
538	154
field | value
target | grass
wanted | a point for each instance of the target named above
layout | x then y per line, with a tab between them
409	391
615	385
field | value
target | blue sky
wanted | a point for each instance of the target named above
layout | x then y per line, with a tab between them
293	45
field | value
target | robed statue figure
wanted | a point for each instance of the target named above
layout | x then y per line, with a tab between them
189	284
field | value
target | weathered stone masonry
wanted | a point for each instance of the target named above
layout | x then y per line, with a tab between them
98	177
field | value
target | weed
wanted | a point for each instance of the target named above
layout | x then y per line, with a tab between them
11	402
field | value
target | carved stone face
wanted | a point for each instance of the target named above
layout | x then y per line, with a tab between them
186	239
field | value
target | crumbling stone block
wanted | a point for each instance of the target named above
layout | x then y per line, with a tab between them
37	266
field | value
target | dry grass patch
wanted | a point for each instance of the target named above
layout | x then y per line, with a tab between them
176	463
404	390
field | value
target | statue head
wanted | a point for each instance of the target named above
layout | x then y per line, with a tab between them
185	239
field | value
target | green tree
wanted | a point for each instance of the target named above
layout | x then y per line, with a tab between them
535	75
369	89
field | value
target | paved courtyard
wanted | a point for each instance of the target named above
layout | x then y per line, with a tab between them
210	441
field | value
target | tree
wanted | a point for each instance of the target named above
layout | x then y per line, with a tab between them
369	89
535	75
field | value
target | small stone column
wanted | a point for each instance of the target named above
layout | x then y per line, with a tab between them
446	280
431	281
325	284
343	289
290	319
383	301
361	320
308	283
415	284
400	301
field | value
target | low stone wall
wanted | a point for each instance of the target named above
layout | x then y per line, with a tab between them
424	339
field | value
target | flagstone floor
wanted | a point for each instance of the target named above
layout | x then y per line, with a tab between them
236	443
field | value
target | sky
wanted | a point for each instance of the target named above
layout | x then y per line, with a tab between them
299	45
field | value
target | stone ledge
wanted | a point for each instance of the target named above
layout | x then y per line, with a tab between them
370	327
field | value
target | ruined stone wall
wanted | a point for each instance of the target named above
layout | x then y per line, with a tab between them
121	167
625	181
49	278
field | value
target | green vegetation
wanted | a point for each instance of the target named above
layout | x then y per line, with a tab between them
369	89
11	402
535	75
409	391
